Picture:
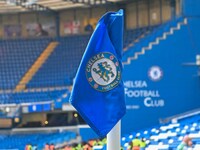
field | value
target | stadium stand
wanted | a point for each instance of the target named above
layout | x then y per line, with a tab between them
16	56
131	37
160	137
151	38
23	70
19	140
33	96
41	70
165	136
60	68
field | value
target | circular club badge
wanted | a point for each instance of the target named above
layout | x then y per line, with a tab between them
155	73
103	72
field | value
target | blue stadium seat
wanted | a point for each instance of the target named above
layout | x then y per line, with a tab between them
16	56
19	140
167	136
34	96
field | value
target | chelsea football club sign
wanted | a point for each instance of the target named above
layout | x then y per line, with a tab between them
103	72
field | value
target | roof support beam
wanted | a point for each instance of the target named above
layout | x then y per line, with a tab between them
89	2
32	7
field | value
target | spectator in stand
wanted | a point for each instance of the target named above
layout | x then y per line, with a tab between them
88	28
185	144
27	147
68	147
40	31
92	142
86	146
136	143
142	144
130	146
47	147
52	147
78	146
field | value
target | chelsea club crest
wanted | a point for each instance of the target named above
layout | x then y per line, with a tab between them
103	72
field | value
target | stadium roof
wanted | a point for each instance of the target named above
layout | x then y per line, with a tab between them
13	6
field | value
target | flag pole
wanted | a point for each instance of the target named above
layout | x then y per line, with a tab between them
114	137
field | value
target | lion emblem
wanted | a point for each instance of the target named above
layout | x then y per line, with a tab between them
104	70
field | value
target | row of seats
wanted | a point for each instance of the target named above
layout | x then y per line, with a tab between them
133	36
17	56
36	96
165	136
168	136
18	141
61	66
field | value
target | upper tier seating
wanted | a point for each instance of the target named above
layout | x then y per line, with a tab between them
16	56
61	66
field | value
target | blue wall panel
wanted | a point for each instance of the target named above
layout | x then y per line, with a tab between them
191	7
159	84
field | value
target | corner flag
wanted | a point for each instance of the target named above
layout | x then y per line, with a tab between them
98	90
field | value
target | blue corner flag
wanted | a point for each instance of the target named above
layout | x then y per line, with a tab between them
98	90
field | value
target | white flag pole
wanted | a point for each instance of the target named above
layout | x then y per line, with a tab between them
114	137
